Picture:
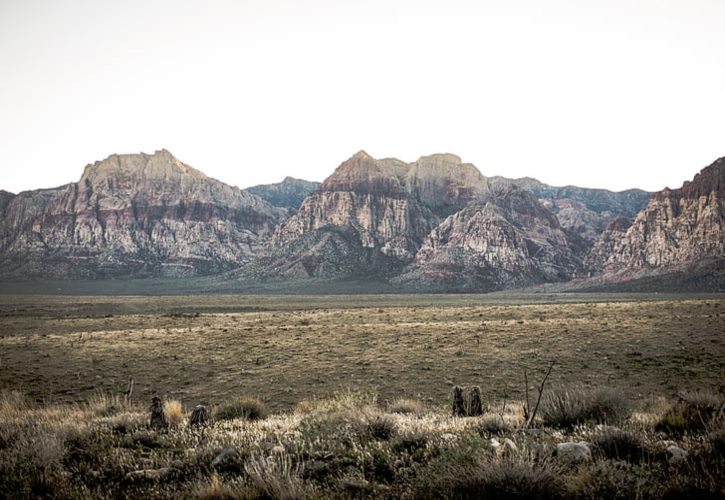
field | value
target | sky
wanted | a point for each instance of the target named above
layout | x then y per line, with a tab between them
609	94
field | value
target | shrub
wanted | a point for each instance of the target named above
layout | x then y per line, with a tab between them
492	425
620	445
693	412
716	444
410	442
570	407
12	405
83	448
406	407
275	477
615	481
244	408
174	412
215	489
381	428
494	479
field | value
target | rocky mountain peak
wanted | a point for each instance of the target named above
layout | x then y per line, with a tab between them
679	227
440	159
362	154
710	179
161	165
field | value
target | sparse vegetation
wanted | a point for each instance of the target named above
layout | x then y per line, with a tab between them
566	408
345	446
174	412
693	412
245	408
320	439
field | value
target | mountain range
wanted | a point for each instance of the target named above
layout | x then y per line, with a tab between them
436	224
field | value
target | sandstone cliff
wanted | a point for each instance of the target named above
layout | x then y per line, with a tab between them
507	242
133	215
626	203
371	197
678	228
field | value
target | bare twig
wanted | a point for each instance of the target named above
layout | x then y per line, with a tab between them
527	405
503	408
129	392
541	392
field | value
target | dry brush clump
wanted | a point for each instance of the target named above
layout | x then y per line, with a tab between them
245	408
343	447
693	412
174	412
569	407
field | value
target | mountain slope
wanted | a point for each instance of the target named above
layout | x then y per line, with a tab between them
509	241
290	193
386	213
133	215
678	228
626	203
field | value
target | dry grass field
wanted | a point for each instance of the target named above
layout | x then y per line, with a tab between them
287	349
350	397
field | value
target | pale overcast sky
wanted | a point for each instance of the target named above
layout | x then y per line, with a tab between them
597	93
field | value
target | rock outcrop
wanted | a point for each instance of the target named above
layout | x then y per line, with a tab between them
290	193
678	228
372	199
441	217
577	218
507	242
133	215
626	203
433	224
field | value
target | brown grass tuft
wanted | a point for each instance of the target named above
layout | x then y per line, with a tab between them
174	412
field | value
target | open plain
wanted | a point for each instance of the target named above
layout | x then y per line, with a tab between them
284	349
350	397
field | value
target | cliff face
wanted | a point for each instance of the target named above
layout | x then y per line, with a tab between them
577	218
677	228
626	203
443	218
371	198
433	224
509	241
290	193
133	215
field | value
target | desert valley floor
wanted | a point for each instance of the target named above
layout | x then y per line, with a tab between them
284	349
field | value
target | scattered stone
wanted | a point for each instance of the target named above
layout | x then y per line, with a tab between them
459	409
510	446
675	454
149	474
199	417
574	453
158	420
225	458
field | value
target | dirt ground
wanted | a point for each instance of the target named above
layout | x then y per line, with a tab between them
287	349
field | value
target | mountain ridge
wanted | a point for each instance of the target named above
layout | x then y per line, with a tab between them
437	223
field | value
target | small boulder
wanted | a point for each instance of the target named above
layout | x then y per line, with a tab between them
149	474
573	453
510	446
675	454
225	459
